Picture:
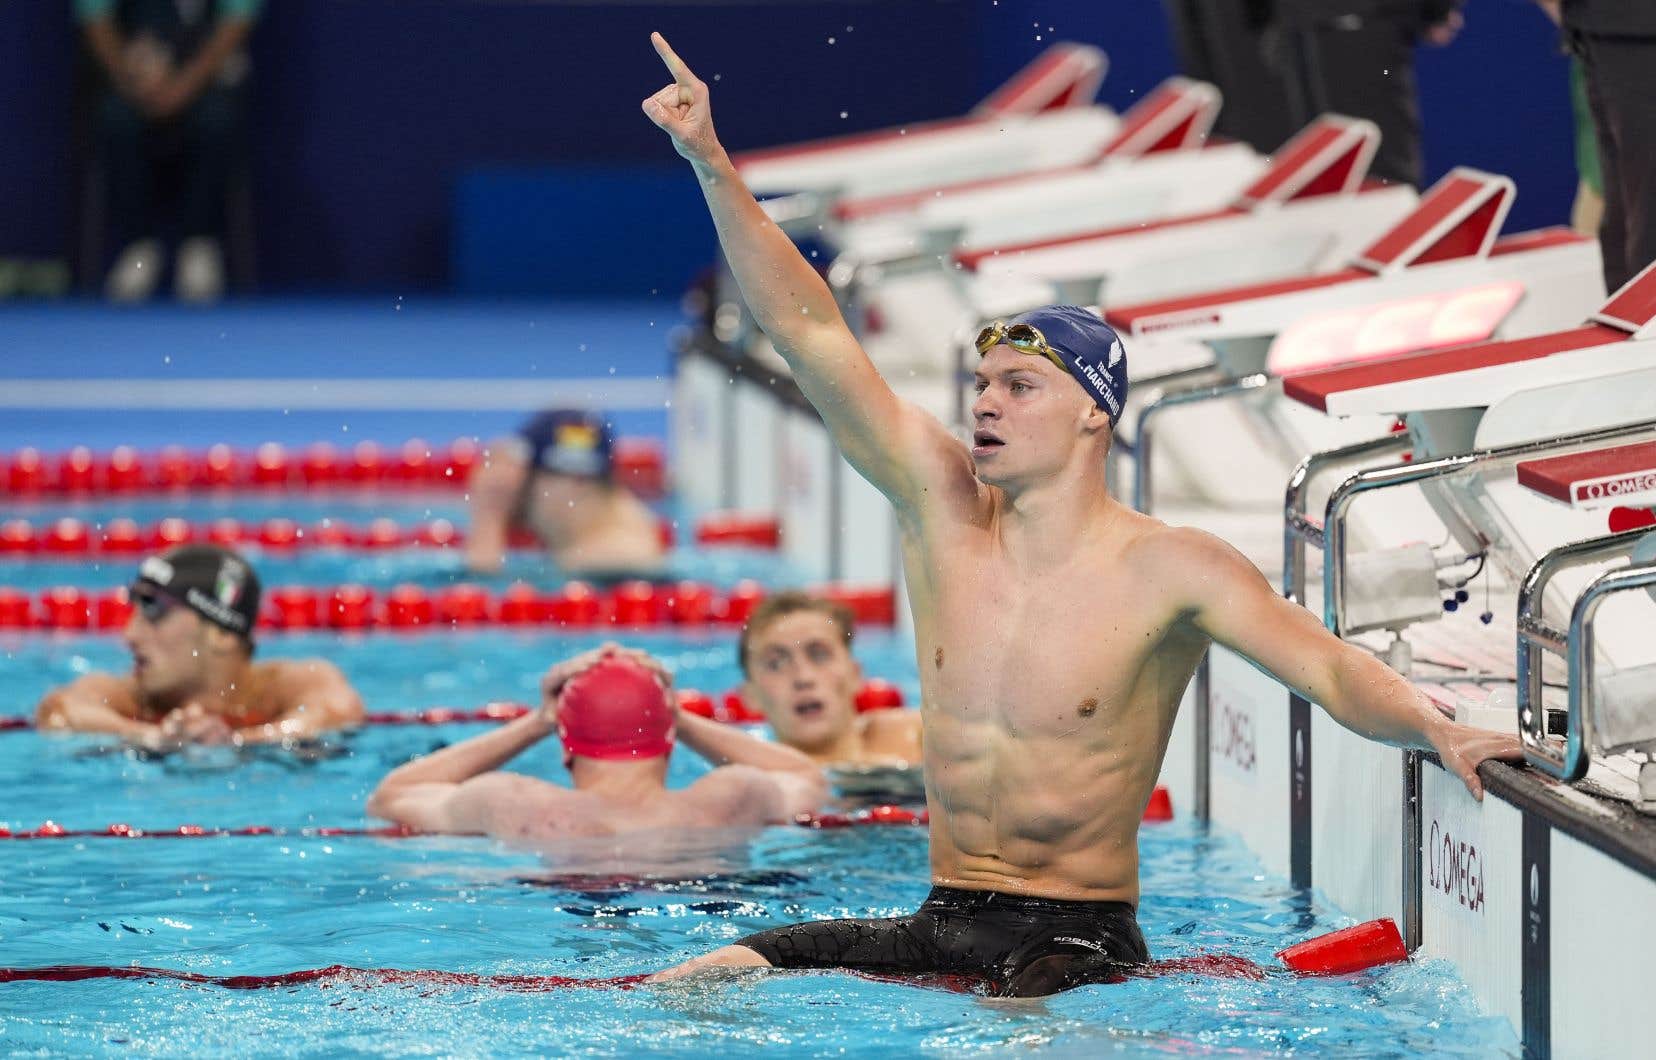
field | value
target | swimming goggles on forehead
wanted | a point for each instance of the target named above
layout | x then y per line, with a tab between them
151	602
1025	338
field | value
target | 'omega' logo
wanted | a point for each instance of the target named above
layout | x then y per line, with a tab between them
1233	736
1456	868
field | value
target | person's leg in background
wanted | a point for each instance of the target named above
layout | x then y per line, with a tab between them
208	141
129	178
1362	67
1587	212
1621	88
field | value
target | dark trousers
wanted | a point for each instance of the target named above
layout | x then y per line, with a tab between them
1222	42
1621	90
1362	68
186	159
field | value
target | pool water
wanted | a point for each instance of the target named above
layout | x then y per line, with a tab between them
265	905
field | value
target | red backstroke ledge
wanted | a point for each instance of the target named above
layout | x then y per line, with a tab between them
1352	949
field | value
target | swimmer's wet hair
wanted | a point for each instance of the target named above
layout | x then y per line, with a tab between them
773	608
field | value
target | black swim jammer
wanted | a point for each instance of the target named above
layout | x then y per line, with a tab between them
1023	947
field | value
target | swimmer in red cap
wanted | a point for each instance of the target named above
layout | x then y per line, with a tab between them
193	677
615	714
1056	629
555	478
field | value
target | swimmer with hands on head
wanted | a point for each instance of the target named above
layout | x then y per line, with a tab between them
1056	629
614	711
193	677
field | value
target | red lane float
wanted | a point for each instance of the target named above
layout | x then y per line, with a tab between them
414	464
575	605
121	536
873	815
332	975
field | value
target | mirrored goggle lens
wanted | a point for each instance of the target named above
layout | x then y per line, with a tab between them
151	604
989	336
1024	338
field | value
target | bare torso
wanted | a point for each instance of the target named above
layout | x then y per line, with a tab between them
1049	695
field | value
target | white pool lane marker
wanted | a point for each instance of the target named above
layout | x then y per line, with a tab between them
514	394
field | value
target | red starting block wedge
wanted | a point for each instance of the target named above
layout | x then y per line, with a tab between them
1351	949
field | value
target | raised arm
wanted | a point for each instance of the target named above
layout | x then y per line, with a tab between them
892	444
1229	600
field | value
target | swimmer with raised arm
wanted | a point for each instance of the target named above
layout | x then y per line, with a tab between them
194	680
1055	628
614	713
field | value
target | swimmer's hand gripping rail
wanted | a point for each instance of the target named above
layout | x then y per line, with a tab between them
1569	762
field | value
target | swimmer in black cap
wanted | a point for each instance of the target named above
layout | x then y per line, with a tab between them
555	478
193	676
1056	628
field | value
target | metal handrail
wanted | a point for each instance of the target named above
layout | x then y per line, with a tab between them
1299	529
1143	448
1482	460
1575	643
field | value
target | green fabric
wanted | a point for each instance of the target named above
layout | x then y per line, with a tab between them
1586	142
91	10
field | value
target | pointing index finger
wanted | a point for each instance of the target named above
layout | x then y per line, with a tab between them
681	73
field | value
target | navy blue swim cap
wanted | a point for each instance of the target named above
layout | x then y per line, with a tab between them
1089	348
569	442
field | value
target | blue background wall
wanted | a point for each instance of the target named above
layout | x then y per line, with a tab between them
371	113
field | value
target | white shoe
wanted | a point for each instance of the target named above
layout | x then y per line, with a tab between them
136	273
200	271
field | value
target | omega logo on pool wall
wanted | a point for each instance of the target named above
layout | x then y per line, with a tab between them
1455	868
1233	734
